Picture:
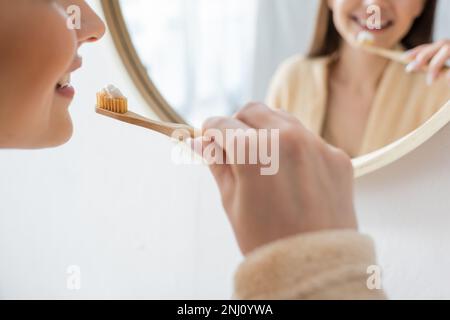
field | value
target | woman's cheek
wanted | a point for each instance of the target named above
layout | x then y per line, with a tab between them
407	11
410	8
50	117
405	20
60	54
342	9
61	49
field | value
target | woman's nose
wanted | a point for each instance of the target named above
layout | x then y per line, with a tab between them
92	27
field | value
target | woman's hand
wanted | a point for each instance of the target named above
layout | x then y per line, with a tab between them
312	190
432	57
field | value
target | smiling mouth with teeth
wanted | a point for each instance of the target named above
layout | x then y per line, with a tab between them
64	88
364	24
63	82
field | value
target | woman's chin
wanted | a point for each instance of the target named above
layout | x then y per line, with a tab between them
46	130
57	134
61	134
60	128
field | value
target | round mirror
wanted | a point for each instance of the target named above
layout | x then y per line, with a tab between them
193	59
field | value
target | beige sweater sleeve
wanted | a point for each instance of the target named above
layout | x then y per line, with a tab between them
323	265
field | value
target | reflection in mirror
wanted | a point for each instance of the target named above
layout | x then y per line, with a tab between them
211	57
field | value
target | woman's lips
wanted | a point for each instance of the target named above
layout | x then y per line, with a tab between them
363	24
63	87
67	91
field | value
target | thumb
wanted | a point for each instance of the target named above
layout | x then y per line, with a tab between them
221	172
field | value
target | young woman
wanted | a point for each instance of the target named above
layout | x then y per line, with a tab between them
358	101
280	222
39	52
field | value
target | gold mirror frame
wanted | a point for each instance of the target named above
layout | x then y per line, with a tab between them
133	64
362	165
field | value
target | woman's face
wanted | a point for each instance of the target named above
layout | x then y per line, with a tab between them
39	52
397	17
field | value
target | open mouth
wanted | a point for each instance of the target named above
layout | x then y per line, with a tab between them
64	82
369	26
64	87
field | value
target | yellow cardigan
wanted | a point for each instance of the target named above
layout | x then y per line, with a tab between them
403	102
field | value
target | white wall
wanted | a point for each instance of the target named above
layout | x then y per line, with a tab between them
138	226
405	208
113	203
284	29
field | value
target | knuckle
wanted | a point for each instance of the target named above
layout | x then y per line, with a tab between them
213	123
341	159
249	107
290	134
287	116
254	112
293	140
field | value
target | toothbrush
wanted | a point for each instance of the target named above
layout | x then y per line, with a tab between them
111	103
366	41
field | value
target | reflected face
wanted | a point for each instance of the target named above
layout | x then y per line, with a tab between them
397	17
38	54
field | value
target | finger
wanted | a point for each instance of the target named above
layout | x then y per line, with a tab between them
259	116
438	63
223	174
424	57
216	128
287	116
412	54
221	171
205	148
224	132
278	122
198	144
225	179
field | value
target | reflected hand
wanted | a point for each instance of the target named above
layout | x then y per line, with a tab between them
312	191
432	57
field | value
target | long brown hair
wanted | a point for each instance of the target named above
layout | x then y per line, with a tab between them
326	38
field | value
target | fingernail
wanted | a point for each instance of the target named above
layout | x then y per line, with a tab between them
411	67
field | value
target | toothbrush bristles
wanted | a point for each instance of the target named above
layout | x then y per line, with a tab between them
116	105
365	38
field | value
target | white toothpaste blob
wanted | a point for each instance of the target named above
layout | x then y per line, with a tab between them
365	38
112	92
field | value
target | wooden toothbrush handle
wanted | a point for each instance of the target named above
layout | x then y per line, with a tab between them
388	54
165	128
395	56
